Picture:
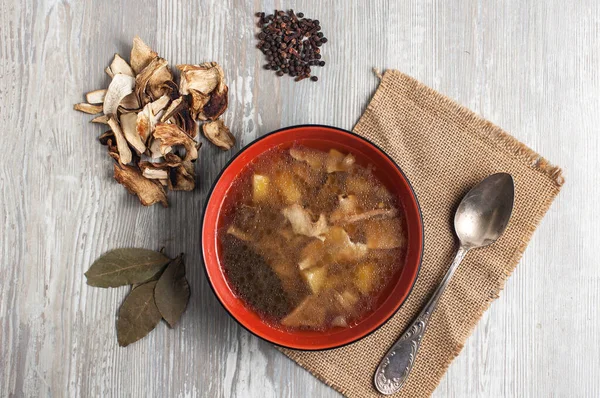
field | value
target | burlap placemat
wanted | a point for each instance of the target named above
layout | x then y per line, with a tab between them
444	149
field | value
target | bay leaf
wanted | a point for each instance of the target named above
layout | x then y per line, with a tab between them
121	267
172	291
138	315
152	279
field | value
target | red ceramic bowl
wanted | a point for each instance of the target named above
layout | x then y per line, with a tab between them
324	138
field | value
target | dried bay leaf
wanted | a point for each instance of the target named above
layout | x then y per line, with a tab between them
138	315
128	266
154	278
172	291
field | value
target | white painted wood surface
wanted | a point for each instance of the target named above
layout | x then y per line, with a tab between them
530	66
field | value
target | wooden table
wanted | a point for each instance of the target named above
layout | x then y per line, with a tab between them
530	66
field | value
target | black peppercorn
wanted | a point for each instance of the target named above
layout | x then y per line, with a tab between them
290	43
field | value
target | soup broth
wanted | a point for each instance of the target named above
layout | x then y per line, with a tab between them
310	239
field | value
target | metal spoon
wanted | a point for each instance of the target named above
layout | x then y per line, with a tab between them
481	217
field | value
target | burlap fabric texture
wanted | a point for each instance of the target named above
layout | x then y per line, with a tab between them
444	149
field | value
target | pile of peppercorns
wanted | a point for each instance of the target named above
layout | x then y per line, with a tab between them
291	43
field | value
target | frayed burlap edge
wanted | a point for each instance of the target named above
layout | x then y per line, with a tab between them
485	129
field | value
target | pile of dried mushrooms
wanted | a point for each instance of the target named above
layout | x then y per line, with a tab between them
153	134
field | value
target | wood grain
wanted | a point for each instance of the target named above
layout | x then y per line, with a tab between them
531	67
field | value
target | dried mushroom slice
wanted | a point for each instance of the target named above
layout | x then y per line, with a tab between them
172	160
124	151
128	124
157	151
113	152
102	119
147	118
149	82
161	83
216	105
179	113
174	108
153	173
184	120
95	97
88	108
206	84
219	134
172	135
141	55
160	104
204	78
130	103
148	191
183	177
104	137
119	65
199	100
120	87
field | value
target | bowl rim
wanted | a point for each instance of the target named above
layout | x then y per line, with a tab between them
217	179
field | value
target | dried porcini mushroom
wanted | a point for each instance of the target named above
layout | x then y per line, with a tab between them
88	108
130	103
150	82
154	173
198	101
173	109
102	119
182	177
178	112
120	87
153	120
204	78
141	55
171	135
128	125
219	134
215	106
206	84
159	289
148	191
122	147
106	136
96	96
119	65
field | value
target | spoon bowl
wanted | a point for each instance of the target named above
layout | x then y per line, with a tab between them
483	214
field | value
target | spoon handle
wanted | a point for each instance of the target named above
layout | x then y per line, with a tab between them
394	368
